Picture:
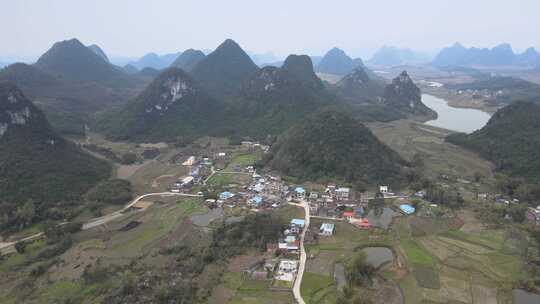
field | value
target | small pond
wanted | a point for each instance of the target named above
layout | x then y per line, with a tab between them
377	256
524	297
382	220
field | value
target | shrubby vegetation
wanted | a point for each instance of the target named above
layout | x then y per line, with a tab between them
226	241
112	191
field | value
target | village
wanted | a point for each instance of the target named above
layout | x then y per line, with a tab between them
269	192
282	264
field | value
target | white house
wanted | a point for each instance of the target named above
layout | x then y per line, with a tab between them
342	193
383	189
190	161
327	229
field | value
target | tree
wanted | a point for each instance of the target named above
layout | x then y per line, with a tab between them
517	212
358	271
129	158
20	247
477	177
377	205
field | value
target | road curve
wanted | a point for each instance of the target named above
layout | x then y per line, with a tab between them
103	219
298	282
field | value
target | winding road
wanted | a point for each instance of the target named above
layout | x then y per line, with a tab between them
103	219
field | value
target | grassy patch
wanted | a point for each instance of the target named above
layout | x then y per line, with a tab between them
232	280
242	160
427	277
221	180
155	225
16	260
282	284
60	291
317	288
416	253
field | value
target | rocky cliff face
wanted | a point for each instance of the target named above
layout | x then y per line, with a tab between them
17	112
404	95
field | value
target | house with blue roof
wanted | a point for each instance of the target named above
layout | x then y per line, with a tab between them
298	222
225	195
407	209
256	201
300	192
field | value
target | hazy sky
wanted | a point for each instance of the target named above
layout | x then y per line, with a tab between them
134	27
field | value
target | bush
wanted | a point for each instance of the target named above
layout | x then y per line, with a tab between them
358	271
129	158
20	247
113	191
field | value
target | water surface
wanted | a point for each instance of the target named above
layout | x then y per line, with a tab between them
523	297
377	256
455	119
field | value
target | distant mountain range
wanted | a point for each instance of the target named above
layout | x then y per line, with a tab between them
153	60
188	59
501	55
73	83
226	94
388	56
510	140
98	51
337	62
70	83
71	60
224	70
38	165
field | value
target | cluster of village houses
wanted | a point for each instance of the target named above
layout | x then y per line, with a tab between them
270	192
485	93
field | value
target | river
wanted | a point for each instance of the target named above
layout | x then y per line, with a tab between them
455	119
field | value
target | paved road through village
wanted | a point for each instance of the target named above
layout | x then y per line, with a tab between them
303	256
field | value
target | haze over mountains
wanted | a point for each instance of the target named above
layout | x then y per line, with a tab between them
225	69
70	82
188	59
501	55
73	83
388	56
337	62
153	60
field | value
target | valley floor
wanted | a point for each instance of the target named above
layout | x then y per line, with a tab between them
448	258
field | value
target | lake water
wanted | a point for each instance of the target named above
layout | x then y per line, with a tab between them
455	119
524	297
377	256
